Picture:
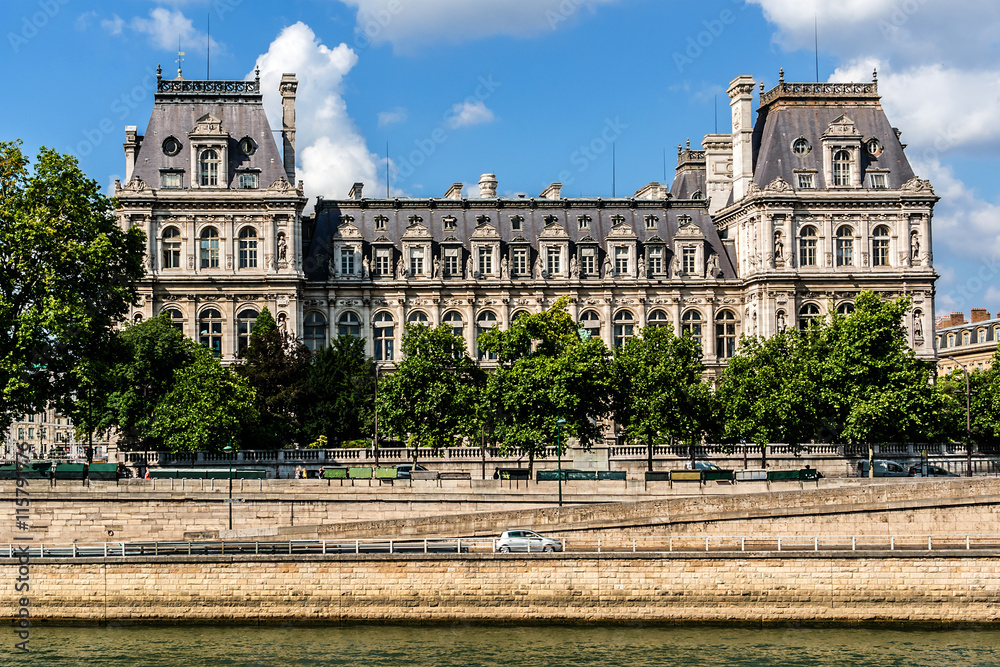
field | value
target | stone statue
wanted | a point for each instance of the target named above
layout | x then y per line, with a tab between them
609	270
642	267
713	265
781	321
538	267
914	247
918	329
574	268
282	248
504	268
779	247
282	322
401	269
470	268
366	268
436	268
675	266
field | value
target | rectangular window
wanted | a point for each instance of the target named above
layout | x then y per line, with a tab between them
584	221
878	181
588	262
171	255
451	262
880	252
171	179
20	434
31	418
621	261
655	261
845	252
417	262
448	223
31	434
805	181
380	222
515	223
689	259
347	261
486	261
554	263
382	263
249	181
519	262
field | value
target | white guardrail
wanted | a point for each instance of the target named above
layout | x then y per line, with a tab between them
578	545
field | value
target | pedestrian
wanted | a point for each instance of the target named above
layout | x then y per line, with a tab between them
298	472
148	476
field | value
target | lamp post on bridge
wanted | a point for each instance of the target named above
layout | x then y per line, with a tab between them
228	449
559	424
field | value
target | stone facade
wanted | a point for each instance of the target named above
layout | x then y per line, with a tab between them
630	588
971	344
786	218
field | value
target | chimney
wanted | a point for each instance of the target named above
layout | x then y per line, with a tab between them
356	191
488	186
554	191
289	85
455	191
718	169
131	146
957	318
652	190
980	315
741	102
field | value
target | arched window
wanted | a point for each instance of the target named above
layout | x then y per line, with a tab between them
484	322
590	322
209	248
807	246
417	317
314	331
981	334
657	318
518	313
245	322
691	323
845	308
209	169
176	318
210	330
842	168
880	246
248	248
624	327
349	325
725	334
966	337
453	319
384	336
807	314
845	246
171	247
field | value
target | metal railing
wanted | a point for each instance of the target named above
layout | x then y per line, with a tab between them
608	544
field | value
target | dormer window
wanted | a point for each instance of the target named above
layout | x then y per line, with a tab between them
801	146
248	180
878	181
248	146
380	222
842	168
584	222
874	147
651	221
805	181
448	223
171	146
171	180
209	168
516	221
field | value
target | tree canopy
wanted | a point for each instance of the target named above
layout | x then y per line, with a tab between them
67	273
340	392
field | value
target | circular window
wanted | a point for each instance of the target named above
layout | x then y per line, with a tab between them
248	146
874	147
171	146
801	146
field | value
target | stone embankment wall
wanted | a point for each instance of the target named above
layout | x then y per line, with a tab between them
864	587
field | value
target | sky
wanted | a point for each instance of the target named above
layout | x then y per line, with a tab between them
535	91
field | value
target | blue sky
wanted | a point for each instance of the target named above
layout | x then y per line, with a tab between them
532	90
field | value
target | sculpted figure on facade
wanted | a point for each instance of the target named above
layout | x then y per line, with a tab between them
713	265
914	247
437	268
366	268
470	268
779	248
282	248
504	268
642	267
401	269
539	268
609	270
574	268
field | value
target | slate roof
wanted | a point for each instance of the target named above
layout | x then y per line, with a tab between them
329	214
179	104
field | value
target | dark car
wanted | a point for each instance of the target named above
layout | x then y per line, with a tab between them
932	471
403	470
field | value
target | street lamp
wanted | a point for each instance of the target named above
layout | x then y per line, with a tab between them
968	420
559	424
228	449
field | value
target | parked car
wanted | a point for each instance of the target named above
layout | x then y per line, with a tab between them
932	471
403	470
701	465
883	469
524	540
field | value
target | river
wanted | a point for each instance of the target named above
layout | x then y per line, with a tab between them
464	646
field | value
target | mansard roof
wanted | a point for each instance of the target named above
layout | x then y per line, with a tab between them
801	110
536	214
180	104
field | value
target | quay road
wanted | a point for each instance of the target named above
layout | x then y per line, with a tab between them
576	545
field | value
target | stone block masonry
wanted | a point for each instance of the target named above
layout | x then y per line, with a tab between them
952	587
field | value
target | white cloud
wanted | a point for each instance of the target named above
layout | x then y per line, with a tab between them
407	24
112	26
331	152
468	113
83	20
397	115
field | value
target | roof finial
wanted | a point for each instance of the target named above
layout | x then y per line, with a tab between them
256	72
781	75
679	149
180	60
159	72
689	144
875	75
762	87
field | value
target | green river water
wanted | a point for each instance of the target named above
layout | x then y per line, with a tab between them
464	646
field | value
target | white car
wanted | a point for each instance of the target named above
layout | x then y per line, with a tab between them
524	540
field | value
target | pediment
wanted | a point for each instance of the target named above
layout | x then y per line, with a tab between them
451	239
842	126
485	229
347	229
416	229
621	229
654	239
209	124
587	239
553	229
687	228
519	239
382	239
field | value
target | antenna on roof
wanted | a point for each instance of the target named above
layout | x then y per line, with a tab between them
614	169
716	104
816	36
664	165
386	169
208	48
180	58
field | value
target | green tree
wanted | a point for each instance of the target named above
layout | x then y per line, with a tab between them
67	273
430	398
121	388
658	389
546	372
207	407
339	393
275	365
766	394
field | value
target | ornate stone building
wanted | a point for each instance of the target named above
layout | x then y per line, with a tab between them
782	220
